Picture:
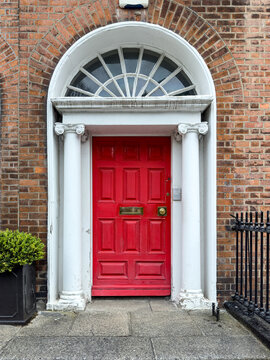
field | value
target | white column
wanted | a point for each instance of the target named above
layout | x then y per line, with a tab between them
191	296
71	296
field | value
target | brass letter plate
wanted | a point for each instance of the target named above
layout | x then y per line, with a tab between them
131	210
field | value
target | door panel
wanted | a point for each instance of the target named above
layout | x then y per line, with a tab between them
131	235
106	239
131	185
156	188
156	236
107	184
131	242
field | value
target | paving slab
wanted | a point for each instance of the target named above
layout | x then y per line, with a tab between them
7	332
101	324
227	326
78	348
49	324
162	305
122	305
205	348
163	324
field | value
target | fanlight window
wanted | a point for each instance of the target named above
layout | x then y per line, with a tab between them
131	72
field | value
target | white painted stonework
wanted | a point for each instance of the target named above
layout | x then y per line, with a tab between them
193	226
71	296
191	294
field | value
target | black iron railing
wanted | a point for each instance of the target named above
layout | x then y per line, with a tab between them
252	262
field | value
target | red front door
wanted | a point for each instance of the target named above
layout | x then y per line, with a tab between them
131	235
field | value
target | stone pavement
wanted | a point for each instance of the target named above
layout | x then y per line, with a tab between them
126	329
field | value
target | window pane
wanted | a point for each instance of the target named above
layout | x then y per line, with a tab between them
140	84
104	93
149	87
158	92
173	84
111	58
83	82
165	69
182	76
97	70
131	59
113	88
148	61
121	83
131	83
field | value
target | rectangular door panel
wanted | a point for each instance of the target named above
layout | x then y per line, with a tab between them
156	185
106	184
107	235
156	235
131	185
155	152
151	269
106	152
131	152
131	235
113	269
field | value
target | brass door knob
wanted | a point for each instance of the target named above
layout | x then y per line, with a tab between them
162	211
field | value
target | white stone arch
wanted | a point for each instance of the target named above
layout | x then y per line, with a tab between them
155	37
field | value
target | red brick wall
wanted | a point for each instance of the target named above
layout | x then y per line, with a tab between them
233	38
9	92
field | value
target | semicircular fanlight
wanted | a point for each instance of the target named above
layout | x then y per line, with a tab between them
131	72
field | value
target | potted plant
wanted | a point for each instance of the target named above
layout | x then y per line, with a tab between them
18	251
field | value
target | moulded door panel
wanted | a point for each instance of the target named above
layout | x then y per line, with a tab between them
106	239
156	236
106	184
131	242
131	185
131	236
156	185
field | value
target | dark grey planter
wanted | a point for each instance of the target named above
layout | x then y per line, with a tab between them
17	295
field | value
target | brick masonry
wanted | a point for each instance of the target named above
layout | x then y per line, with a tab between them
233	37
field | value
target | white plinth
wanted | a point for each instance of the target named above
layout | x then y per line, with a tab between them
193	300
70	301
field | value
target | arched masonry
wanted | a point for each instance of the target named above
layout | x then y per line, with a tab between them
70	130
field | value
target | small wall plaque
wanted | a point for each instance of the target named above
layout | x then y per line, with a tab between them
133	4
177	194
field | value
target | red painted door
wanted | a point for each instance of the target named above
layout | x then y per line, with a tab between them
131	242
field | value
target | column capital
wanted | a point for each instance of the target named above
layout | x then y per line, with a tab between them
61	129
199	128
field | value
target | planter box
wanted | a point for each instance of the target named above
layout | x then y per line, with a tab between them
17	295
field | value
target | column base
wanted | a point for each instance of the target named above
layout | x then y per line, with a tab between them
193	300
69	301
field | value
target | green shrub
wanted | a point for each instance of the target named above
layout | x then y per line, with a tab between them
19	248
